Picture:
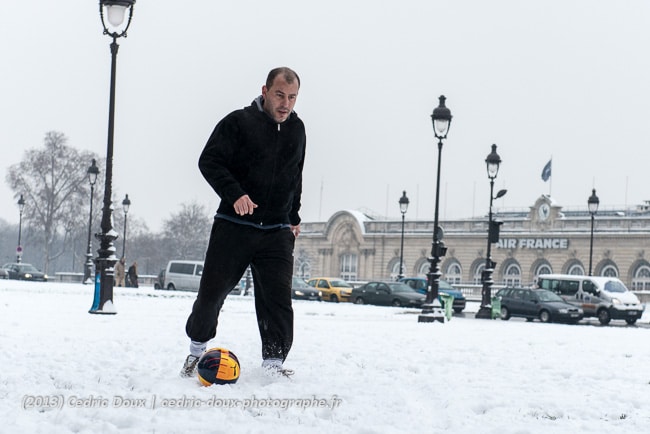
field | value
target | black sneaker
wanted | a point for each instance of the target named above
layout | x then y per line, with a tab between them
189	367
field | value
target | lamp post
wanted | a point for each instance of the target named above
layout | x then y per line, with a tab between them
431	309
104	272
126	203
19	248
403	207
592	203
92	173
493	161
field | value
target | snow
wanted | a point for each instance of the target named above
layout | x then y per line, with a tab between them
359	369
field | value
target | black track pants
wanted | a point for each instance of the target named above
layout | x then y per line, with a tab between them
231	249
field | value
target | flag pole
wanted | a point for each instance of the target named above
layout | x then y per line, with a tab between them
550	183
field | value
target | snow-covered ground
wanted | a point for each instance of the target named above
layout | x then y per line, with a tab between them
359	369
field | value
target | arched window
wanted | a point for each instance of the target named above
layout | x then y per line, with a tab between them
543	269
394	269
512	276
454	274
424	269
576	270
348	266
641	279
609	271
304	270
478	272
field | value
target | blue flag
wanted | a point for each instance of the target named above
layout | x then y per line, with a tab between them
546	172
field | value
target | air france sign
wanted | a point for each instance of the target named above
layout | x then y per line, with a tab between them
533	243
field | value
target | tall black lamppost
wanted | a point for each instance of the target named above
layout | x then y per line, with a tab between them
592	203
493	161
126	203
403	207
92	173
441	119
104	272
19	248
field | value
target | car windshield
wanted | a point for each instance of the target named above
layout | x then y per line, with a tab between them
299	283
545	295
27	268
614	286
400	287
339	284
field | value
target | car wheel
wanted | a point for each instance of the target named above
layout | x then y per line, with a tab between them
545	316
505	314
334	298
359	300
396	303
603	316
171	287
630	321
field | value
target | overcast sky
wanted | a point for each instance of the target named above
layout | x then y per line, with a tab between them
565	79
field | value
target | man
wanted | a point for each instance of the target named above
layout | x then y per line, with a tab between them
253	160
132	275
120	272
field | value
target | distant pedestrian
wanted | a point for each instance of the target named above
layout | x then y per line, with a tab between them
133	275
120	272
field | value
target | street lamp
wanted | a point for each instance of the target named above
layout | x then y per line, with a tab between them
104	272
92	173
403	207
19	248
431	309
493	161
126	203
592	203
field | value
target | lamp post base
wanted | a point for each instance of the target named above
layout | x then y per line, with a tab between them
432	313
431	318
485	312
88	270
107	309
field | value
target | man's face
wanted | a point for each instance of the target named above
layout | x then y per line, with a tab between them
280	98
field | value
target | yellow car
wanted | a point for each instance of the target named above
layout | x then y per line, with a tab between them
333	288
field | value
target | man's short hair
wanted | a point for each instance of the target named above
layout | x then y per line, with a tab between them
289	76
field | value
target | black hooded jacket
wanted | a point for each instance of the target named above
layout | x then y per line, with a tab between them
250	153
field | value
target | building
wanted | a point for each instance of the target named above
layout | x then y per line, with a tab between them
543	239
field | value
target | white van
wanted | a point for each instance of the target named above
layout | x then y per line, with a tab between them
184	275
606	298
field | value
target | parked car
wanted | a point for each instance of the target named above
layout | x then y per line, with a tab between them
387	294
4	274
23	271
332	288
183	275
606	298
301	291
159	283
421	284
537	303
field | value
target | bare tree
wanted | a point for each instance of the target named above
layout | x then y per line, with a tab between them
186	232
54	184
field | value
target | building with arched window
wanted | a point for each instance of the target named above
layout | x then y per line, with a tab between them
544	239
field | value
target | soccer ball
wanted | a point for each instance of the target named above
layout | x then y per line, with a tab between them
218	366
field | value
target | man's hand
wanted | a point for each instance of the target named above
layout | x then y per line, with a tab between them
296	230
244	205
